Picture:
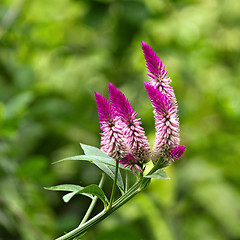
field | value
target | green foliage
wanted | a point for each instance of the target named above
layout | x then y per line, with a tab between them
104	162
159	174
69	188
90	189
55	54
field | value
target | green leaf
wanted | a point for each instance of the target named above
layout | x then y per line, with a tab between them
90	158
90	150
68	188
106	164
109	169
159	174
65	187
91	189
101	160
103	157
67	197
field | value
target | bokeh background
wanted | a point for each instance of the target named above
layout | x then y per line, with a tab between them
55	54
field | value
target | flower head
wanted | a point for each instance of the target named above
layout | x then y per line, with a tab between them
112	135
121	104
166	123
134	135
157	73
123	137
154	65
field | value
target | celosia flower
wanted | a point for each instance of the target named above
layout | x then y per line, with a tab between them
166	122
112	135
134	135
165	107
158	75
123	137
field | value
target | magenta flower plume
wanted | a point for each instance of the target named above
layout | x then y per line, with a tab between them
160	103
177	152
121	104
157	73
110	124
167	125
154	65
134	135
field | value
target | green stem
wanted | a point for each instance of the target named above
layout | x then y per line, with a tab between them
102	215
127	181
93	203
135	189
114	185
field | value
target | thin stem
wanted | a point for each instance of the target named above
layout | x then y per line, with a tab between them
93	203
114	185
135	189
102	215
127	181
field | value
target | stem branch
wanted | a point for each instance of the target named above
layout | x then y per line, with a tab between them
93	203
102	215
135	189
114	185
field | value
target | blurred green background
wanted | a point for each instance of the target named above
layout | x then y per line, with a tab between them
55	53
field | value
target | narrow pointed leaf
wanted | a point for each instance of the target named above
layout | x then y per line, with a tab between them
107	165
159	174
67	197
65	187
90	158
68	188
90	150
91	189
101	160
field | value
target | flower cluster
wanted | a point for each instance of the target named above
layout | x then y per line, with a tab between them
123	137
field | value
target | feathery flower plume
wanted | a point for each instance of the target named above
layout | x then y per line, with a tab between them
157	73
110	124
136	141
166	122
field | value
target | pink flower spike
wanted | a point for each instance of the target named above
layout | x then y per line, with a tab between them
159	101
134	135
154	65
112	135
105	110
158	75
121	103
166	123
177	152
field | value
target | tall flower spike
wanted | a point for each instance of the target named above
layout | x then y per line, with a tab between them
110	124
166	122
121	104
134	134
157	73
